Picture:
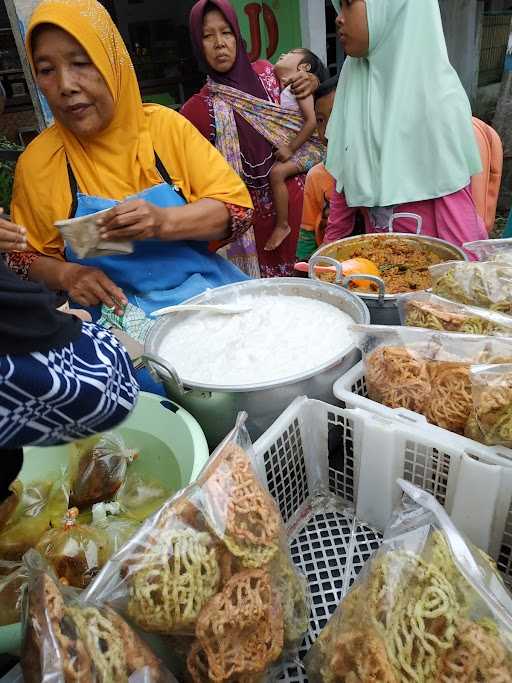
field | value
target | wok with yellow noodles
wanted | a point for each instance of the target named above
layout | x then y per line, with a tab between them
403	260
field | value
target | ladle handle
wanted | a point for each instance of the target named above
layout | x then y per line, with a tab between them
345	282
170	372
315	261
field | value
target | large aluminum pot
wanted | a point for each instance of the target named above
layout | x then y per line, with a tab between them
383	307
216	407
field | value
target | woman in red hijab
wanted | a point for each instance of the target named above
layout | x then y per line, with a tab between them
221	53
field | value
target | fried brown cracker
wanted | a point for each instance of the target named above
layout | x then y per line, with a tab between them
241	628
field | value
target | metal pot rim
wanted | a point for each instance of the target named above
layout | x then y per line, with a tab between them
385	235
150	345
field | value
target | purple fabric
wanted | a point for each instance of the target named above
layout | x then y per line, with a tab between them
257	152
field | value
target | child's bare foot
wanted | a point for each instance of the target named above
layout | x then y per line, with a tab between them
277	237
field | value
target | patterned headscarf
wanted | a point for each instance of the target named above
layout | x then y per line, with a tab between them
257	153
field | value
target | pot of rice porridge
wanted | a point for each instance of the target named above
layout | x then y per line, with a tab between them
293	341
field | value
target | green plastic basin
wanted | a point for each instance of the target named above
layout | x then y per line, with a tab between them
172	449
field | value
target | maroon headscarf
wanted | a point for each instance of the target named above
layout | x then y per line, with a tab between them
256	150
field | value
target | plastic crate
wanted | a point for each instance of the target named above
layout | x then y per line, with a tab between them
333	474
351	392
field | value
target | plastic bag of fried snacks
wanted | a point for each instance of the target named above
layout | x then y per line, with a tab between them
487	284
426	371
427	310
491	420
12	579
426	607
212	570
68	639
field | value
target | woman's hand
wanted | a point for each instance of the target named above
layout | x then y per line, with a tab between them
90	287
136	219
303	84
12	237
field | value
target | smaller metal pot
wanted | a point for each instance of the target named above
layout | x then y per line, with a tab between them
383	307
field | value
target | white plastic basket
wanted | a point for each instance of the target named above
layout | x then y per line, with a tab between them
352	392
333	474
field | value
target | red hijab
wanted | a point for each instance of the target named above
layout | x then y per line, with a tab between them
257	152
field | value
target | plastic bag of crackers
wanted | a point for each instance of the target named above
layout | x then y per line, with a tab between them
67	639
491	419
427	607
211	570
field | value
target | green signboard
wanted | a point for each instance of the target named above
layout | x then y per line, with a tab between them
270	28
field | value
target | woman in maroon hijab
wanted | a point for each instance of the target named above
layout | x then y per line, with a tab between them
221	53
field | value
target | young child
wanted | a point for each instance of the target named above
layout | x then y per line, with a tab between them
290	161
320	184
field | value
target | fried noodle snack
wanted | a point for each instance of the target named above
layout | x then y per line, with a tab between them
177	576
486	284
359	656
424	309
117	650
433	373
49	628
240	511
291	589
398	378
477	655
450	400
69	641
414	617
241	629
212	571
492	399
